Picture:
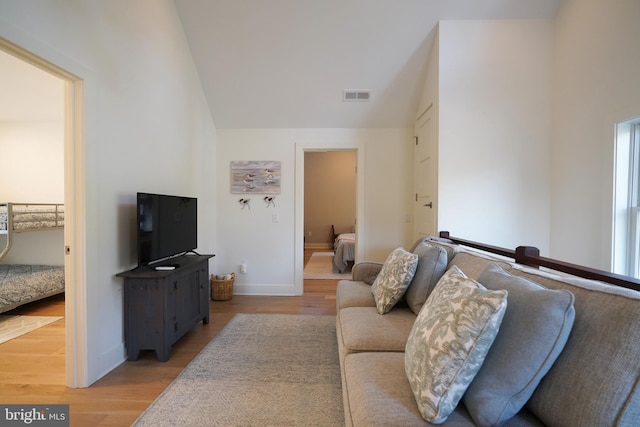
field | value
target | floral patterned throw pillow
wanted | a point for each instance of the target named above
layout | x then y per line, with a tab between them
449	341
394	279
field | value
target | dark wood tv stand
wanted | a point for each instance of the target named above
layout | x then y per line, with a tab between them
161	306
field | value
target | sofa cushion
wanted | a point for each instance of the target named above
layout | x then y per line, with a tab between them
596	378
534	331
394	279
380	395
363	329
432	263
449	341
353	294
474	263
450	248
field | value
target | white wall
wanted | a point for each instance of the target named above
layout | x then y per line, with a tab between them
36	170
595	84
35	174
268	247
388	193
147	128
495	130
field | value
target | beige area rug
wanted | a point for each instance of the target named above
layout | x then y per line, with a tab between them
320	266
14	326
260	370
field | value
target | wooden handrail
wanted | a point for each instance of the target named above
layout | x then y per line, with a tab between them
530	256
483	247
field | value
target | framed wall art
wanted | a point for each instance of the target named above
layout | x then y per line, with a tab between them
255	176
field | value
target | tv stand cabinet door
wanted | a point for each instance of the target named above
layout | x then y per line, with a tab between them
192	304
149	317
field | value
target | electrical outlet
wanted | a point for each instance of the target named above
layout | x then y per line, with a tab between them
275	217
310	234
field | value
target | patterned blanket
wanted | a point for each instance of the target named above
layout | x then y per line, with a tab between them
20	284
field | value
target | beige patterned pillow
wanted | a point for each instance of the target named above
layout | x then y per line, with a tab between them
394	279
449	341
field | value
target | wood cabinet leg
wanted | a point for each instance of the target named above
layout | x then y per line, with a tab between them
133	354
163	353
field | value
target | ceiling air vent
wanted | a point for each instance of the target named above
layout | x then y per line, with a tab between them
356	95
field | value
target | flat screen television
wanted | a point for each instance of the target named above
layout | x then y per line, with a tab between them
167	226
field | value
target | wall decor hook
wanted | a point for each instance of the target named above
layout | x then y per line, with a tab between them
245	203
270	201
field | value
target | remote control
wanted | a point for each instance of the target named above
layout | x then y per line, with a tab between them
165	267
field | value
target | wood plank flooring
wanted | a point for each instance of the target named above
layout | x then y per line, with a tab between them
32	367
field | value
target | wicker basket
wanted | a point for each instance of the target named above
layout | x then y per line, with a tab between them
222	290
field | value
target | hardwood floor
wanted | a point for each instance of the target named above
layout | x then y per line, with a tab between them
32	366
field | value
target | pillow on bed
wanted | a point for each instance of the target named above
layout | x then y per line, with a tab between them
432	263
393	279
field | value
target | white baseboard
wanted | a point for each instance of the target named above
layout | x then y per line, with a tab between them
264	290
317	246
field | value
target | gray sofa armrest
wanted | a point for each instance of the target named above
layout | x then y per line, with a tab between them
366	271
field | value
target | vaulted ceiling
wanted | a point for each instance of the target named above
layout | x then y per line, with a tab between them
286	63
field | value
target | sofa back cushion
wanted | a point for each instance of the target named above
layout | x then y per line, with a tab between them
533	333
432	263
596	378
450	248
473	263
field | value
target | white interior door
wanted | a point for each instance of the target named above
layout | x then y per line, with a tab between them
425	176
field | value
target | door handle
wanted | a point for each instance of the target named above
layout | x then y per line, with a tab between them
429	205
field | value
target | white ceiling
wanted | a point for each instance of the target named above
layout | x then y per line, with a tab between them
28	93
285	63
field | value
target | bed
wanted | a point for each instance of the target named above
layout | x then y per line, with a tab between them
20	284
344	248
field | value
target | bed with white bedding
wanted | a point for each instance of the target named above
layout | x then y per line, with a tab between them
344	248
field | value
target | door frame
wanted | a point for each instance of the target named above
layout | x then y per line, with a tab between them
74	193
427	115
301	148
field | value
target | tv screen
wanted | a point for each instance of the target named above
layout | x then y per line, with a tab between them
167	226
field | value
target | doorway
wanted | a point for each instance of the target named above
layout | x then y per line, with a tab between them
329	195
329	211
74	196
301	149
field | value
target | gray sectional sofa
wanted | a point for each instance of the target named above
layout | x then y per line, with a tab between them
566	351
